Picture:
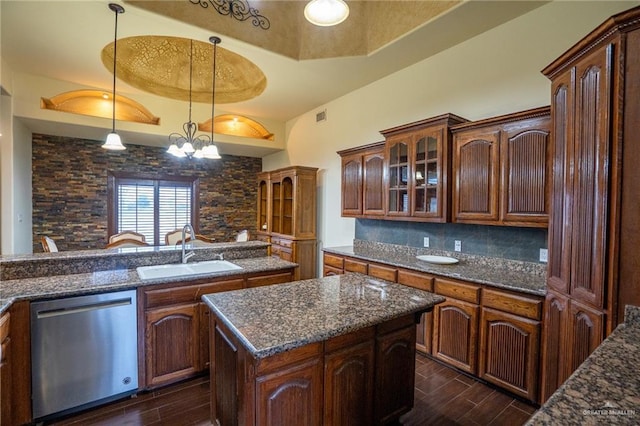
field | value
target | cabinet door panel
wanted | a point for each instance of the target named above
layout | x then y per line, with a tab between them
352	185
562	110
291	397
398	172
172	348
428	175
590	176
526	170
476	170
585	333
349	377
455	334
509	352
373	184
554	360
395	375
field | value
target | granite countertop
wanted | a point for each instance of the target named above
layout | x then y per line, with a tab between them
605	389
525	277
112	280
273	319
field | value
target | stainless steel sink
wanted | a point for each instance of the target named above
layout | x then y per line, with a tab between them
185	269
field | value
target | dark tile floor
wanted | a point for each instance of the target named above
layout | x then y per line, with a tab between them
442	397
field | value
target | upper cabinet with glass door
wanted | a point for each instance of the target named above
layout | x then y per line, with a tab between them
418	168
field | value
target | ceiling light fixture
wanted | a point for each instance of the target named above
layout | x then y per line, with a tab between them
190	145
113	141
325	13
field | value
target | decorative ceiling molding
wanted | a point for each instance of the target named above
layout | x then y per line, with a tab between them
239	10
160	65
98	103
372	25
237	125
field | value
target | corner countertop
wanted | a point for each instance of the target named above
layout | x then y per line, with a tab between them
273	319
114	280
524	277
605	388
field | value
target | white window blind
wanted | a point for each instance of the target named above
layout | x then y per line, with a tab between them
152	207
174	210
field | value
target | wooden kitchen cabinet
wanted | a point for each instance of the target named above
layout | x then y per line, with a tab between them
395	372
172	343
363	180
424	329
349	379
502	170
594	223
287	216
492	333
455	324
174	325
5	370
362	378
418	168
509	352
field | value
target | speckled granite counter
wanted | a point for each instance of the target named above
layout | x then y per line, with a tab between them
525	277
112	280
605	389
268	320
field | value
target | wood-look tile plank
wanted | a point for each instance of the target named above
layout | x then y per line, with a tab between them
443	396
510	416
485	412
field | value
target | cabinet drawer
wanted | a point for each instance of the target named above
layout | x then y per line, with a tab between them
415	279
330	270
188	293
333	260
352	265
383	272
284	277
519	305
282	242
457	290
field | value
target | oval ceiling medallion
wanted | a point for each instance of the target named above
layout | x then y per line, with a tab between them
160	65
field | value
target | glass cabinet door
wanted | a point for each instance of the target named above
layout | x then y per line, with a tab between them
398	178
276	208
263	202
426	186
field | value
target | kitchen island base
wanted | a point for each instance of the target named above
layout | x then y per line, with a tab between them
365	377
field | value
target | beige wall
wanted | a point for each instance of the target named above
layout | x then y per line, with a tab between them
495	73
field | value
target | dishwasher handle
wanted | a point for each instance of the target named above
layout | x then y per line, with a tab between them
83	308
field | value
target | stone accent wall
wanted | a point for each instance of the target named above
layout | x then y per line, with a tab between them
70	189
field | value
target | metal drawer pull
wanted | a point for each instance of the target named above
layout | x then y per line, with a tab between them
84	308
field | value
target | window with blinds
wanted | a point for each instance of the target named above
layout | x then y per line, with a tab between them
151	207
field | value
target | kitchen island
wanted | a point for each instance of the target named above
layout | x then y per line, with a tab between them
338	350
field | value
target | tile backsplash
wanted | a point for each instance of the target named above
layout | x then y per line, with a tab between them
494	241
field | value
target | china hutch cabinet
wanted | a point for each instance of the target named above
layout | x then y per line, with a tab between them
287	216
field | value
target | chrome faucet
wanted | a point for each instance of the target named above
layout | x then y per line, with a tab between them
186	256
218	256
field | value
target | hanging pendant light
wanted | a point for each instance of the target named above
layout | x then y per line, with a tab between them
113	141
211	151
325	13
188	144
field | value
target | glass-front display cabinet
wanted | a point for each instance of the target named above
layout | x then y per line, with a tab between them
418	166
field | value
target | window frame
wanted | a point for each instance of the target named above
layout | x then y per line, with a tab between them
114	178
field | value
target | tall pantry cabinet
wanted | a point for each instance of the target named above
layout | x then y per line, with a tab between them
594	269
287	216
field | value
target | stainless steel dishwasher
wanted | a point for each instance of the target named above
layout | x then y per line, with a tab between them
84	351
